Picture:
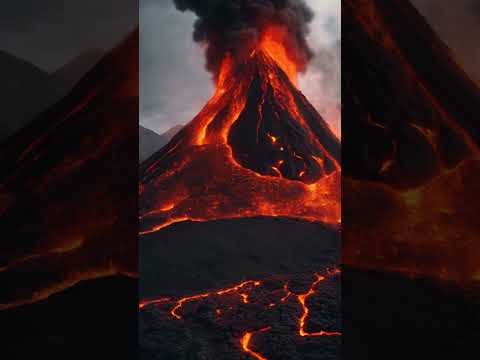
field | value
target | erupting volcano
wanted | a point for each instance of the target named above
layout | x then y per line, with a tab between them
258	147
251	187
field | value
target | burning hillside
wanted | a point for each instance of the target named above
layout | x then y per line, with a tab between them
258	147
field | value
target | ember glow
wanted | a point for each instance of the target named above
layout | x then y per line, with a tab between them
302	299
257	148
245	341
254	296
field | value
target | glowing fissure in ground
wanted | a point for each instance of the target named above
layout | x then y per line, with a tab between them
246	293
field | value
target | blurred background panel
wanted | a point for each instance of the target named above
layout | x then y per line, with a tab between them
410	156
68	179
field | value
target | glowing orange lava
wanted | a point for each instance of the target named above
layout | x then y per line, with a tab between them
272	43
257	148
245	341
242	291
144	303
302	298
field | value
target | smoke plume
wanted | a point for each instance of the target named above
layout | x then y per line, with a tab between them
235	26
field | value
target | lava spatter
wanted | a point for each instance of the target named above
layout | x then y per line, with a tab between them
262	300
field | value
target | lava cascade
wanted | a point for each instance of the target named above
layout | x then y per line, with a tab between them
410	160
258	147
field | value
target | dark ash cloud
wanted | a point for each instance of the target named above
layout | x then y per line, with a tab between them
236	25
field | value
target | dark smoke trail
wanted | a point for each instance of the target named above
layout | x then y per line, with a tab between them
235	26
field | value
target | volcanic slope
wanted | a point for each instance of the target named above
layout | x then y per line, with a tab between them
258	148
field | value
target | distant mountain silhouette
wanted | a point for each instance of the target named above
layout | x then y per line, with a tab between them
20	81
150	142
28	90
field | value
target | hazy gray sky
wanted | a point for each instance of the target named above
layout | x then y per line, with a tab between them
174	84
49	33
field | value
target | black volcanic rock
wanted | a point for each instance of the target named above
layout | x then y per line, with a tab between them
192	256
278	124
257	148
189	258
212	328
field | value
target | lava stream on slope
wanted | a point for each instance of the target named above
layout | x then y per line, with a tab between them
257	148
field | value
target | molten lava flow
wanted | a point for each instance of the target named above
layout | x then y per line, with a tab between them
243	289
257	148
272	44
245	341
235	289
144	303
266	298
302	298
